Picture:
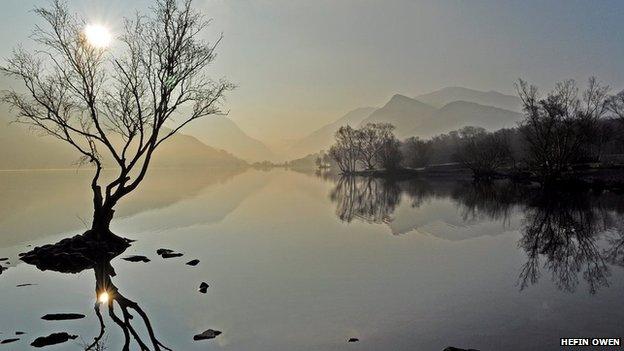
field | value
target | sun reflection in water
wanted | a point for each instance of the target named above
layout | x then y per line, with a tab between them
103	298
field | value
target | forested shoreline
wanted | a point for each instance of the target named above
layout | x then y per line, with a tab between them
567	135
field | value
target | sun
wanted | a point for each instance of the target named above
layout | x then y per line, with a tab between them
98	36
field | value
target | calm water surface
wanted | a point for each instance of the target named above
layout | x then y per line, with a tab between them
301	262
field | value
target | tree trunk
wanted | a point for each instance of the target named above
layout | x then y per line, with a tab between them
102	217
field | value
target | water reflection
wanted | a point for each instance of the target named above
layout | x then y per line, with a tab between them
572	234
80	253
369	199
52	198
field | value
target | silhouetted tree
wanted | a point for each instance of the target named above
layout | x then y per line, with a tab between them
416	152
346	150
323	160
389	156
615	105
120	104
484	153
557	127
376	141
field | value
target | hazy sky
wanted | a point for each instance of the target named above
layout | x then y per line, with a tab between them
300	64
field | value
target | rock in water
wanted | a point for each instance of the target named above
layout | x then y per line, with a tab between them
136	258
62	316
203	287
19	333
171	254
193	262
163	251
208	334
7	341
353	340
52	339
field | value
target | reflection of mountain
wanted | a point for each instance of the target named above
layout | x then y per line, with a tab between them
21	149
322	138
211	204
37	204
561	231
221	132
444	209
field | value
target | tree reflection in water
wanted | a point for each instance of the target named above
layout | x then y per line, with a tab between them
574	234
563	229
77	254
372	200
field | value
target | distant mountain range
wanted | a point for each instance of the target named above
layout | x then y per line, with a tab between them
222	133
424	116
444	96
23	149
323	137
202	144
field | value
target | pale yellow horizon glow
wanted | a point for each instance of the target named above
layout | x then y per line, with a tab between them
98	36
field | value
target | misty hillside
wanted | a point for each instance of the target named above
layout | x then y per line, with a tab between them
458	114
403	112
323	138
23	149
414	118
426	116
447	95
222	133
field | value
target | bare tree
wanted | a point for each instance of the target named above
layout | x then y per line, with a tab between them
323	160
416	152
346	150
389	155
374	138
615	105
119	104
557	127
482	152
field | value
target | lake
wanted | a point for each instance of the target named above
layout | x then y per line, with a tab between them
298	261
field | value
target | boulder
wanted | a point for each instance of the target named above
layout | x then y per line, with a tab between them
206	335
52	339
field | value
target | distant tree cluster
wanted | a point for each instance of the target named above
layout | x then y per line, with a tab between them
370	147
565	129
482	152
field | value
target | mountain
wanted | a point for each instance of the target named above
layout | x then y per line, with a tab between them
323	138
403	112
458	114
22	149
491	98
222	133
412	117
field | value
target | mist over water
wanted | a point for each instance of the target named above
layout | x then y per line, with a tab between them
295	261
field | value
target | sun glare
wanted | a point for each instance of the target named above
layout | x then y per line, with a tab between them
103	298
98	36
